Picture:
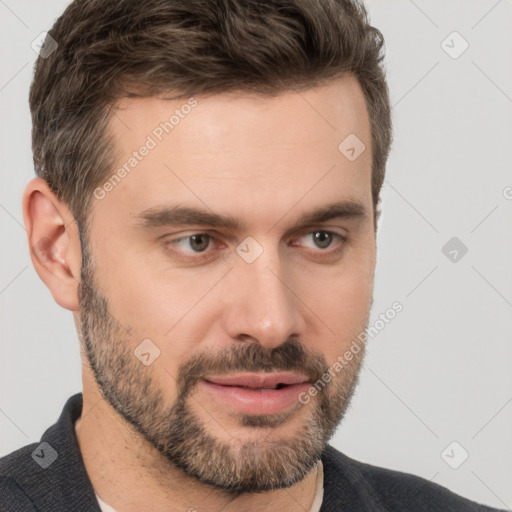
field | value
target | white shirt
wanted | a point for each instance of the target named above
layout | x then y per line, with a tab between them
317	502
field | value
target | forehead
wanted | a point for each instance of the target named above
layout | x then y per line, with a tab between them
235	149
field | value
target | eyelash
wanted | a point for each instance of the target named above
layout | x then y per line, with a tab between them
206	253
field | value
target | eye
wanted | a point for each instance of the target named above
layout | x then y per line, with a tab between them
322	239
198	242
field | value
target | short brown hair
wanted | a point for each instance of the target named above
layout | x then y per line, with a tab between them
109	49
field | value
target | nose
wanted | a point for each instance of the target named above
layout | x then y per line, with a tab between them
263	307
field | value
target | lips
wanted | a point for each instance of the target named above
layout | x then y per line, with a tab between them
257	394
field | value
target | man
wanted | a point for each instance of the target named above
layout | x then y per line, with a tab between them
206	205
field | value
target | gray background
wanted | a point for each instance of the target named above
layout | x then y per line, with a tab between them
441	370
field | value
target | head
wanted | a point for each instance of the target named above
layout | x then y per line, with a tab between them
209	176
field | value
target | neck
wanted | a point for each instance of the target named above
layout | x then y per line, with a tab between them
129	474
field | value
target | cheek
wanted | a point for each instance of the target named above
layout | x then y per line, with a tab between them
168	308
342	303
339	299
140	296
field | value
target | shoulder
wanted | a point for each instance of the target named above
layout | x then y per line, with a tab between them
393	490
49	474
12	496
20	458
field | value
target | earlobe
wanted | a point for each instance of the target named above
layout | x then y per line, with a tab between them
53	241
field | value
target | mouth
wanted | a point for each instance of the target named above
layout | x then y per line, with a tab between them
257	394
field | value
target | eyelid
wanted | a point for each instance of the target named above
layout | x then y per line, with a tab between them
334	230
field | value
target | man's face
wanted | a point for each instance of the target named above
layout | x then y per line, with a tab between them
278	292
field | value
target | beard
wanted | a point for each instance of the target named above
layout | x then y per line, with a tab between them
239	465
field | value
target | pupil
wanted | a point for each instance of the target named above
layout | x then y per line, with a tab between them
322	239
199	242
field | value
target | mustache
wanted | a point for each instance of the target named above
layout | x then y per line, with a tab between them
292	355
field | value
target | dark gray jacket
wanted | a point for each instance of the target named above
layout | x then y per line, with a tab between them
50	477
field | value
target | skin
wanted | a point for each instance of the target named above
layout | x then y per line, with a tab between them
265	161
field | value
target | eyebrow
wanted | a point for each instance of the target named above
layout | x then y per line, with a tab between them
156	217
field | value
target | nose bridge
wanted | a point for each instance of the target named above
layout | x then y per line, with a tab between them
264	308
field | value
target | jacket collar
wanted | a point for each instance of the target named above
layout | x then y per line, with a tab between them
63	484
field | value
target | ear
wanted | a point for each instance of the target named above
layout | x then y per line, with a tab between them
54	243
